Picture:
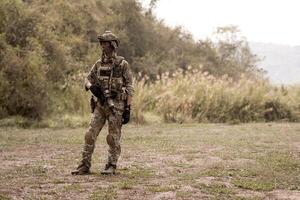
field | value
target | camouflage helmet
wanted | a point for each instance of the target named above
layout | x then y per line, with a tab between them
108	36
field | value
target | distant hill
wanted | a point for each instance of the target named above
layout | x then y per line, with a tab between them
282	62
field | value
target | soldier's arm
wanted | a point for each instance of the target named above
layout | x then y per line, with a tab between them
128	82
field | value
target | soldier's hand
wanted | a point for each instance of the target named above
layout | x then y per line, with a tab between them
96	91
126	114
87	85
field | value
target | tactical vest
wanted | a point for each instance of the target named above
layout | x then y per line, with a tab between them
110	75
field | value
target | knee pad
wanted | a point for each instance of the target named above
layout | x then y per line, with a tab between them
110	140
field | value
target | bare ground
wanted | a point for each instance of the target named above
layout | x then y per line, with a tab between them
193	161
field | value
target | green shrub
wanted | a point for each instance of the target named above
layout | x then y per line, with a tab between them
24	84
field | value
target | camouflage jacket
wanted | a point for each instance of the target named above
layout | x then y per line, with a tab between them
112	73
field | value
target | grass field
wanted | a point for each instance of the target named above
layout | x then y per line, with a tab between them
168	161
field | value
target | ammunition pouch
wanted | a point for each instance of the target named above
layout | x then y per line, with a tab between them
118	96
104	95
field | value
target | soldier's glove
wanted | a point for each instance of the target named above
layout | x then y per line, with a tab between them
126	114
97	92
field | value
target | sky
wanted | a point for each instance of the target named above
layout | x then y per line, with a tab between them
264	21
268	21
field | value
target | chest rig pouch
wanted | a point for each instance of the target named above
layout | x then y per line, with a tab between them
110	76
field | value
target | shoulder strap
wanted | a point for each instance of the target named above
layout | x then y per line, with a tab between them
119	60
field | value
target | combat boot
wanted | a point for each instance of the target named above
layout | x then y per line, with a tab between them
82	169
109	169
85	164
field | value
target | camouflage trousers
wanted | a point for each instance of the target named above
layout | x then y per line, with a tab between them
98	119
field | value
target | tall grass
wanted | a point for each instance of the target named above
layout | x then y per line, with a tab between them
183	97
196	96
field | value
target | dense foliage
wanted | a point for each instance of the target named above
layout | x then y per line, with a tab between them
47	47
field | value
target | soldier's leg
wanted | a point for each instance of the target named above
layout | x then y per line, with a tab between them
113	141
96	124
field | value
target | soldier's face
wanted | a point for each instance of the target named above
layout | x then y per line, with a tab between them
106	47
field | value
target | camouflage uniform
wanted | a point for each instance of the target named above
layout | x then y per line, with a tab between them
113	73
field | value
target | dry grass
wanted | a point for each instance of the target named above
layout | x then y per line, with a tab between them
191	161
199	97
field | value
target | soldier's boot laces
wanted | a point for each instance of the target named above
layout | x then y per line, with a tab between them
109	169
81	170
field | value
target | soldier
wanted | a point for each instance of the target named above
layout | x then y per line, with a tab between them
110	82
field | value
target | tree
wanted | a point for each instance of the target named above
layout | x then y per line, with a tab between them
234	53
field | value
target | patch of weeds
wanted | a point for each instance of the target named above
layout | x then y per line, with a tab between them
272	170
70	140
127	184
285	168
253	198
162	188
161	142
219	170
51	193
187	178
180	164
250	172
72	187
279	161
191	157
184	194
140	173
245	198
231	170
3	197
254	184
228	155
191	151
234	153
58	181
144	140
34	170
253	178
218	190
66	120
17	121
10	157
234	122
10	140
25	171
109	193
